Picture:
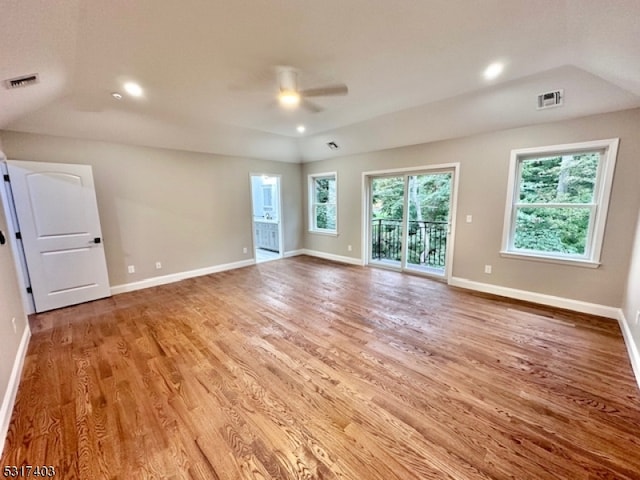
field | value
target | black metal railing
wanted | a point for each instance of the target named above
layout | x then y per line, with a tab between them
426	242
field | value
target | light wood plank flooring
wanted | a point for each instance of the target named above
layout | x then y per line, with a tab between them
303	368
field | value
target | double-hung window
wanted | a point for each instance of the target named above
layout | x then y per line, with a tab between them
323	203
557	202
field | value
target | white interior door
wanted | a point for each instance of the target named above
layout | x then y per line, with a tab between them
60	228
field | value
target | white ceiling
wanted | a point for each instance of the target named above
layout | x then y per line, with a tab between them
413	67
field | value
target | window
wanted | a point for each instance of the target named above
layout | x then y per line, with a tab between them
557	202
323	214
267	197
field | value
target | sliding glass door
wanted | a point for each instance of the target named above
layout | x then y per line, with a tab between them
410	217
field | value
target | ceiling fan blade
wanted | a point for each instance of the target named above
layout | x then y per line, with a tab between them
310	106
329	90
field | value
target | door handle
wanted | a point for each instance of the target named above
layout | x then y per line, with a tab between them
2	239
97	240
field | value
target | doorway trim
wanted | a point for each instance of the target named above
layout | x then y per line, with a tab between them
280	214
19	258
366	209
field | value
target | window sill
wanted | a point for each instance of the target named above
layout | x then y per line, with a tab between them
322	232
575	262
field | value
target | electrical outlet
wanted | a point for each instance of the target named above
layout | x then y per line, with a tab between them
469	218
13	323
487	269
349	247
158	265
245	250
131	269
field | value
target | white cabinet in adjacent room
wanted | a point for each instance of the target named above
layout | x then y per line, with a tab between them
267	235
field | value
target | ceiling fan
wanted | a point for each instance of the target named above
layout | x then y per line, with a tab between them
291	96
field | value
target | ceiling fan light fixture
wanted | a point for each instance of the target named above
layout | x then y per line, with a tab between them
289	98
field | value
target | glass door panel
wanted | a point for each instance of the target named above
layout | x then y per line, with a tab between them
429	210
387	215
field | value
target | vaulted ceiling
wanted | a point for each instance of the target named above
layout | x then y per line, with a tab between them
413	68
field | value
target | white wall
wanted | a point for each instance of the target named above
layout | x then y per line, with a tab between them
14	331
631	304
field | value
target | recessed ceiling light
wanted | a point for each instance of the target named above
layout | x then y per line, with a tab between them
116	95
493	70
133	89
301	128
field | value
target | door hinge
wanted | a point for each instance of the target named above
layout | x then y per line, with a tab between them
18	236
29	290
6	177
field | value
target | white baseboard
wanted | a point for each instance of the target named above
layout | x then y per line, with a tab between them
176	277
331	256
632	347
541	298
9	399
293	253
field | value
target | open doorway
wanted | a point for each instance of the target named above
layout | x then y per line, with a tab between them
267	217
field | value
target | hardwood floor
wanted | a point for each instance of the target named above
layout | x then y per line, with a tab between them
303	368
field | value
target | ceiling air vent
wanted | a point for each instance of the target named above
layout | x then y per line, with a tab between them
24	81
550	99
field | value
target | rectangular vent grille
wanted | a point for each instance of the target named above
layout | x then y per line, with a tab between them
550	99
24	81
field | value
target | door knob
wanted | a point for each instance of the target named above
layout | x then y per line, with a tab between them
97	240
2	239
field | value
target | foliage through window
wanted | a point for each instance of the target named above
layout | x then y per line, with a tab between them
558	201
323	212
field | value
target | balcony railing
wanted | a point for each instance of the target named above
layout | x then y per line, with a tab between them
426	243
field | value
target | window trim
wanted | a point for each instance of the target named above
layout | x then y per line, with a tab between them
312	203
599	207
